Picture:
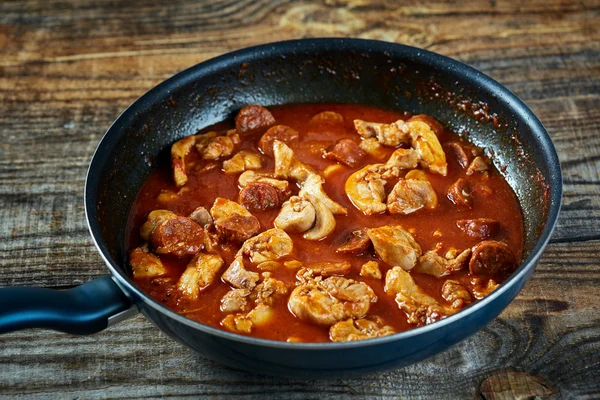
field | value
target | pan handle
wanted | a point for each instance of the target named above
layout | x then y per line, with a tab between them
82	310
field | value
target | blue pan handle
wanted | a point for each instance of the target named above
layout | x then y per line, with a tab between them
82	310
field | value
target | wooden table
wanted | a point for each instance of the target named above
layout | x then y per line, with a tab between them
68	68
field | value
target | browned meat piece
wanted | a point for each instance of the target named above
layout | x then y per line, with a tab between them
411	195
387	134
455	294
179	150
268	290
482	288
145	264
237	228
477	165
278	132
459	153
201	216
253	118
327	118
200	273
235	300
358	329
178	236
239	323
327	268
269	245
432	264
242	161
356	243
347	152
155	218
258	196
432	122
460	193
370	269
238	276
395	246
492	258
480	228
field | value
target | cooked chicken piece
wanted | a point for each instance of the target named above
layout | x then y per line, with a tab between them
477	165
145	264
358	329
370	269
387	134
455	294
427	145
288	166
248	177
328	301
238	276
239	323
329	268
366	187
259	196
252	118
347	152
180	149
269	245
372	147
432	264
459	153
235	300
213	145
268	290
411	195
328	118
233	221
200	273
324	221
278	132
492	258
296	215
479	228
395	246
201	216
171	234
242	161
419	307
356	243
459	193
480	289
262	314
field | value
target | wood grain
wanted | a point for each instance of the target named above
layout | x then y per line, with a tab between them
68	68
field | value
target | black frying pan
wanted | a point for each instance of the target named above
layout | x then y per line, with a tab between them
304	71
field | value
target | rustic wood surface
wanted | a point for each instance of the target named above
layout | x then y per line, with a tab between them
68	68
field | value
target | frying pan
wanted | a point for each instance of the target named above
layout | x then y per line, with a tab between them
367	72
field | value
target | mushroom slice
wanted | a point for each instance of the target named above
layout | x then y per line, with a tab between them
324	221
411	195
387	134
269	245
242	161
296	215
427	145
395	246
199	274
288	166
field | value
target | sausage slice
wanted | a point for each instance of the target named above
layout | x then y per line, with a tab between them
252	118
480	228
492	258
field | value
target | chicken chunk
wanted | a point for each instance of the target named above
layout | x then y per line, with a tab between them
288	166
233	221
278	132
201	216
179	150
145	264
370	269
239	323
172	234
477	165
387	134
427	145
238	276
366	187
267	291
358	329
419	307
411	195
372	147
347	152
269	245
455	294
253	118
213	145
395	246
297	215
479	228
199	274
235	300
329	268
259	196
242	161
432	264
356	243
328	301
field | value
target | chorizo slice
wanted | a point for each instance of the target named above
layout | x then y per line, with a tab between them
480	228
278	132
356	243
237	228
459	153
459	193
347	152
259	196
492	258
329	268
178	236
252	118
